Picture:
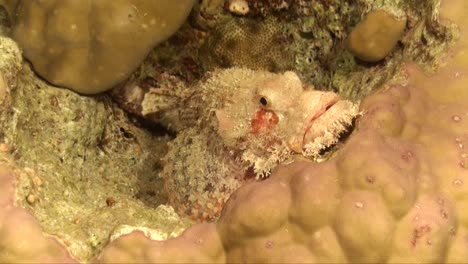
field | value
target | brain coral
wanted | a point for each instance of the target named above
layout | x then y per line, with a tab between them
91	46
396	192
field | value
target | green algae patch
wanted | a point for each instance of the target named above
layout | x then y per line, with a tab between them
85	167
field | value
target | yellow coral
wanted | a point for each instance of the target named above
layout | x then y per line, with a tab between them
91	46
376	35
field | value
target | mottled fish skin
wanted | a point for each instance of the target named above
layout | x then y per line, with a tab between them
279	112
248	122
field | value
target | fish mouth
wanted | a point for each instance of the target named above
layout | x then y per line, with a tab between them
322	111
330	104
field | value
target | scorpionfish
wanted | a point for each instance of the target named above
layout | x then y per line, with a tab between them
239	125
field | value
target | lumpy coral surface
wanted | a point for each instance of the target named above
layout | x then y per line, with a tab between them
90	46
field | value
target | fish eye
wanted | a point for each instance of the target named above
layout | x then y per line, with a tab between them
263	101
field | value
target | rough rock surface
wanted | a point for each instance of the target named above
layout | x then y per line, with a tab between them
83	168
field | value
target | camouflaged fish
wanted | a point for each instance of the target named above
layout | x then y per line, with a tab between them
239	125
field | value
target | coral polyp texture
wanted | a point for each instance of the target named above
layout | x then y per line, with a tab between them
248	43
243	124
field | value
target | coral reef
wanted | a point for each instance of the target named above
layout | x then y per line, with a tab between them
90	47
395	193
243	122
376	36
